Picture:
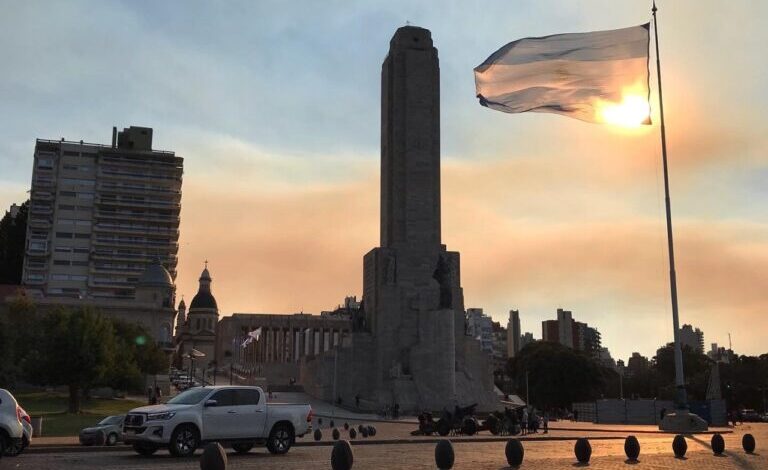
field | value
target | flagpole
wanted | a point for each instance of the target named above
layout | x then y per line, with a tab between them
681	397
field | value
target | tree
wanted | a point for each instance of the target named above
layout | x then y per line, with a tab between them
137	355
18	330
76	349
557	375
13	234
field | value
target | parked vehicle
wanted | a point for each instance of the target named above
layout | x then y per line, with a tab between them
750	416
235	415
11	419
16	447
111	426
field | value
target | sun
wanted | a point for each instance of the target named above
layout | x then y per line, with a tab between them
633	111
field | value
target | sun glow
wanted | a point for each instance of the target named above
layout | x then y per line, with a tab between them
633	111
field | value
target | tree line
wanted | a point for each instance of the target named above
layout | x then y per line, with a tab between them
78	348
556	376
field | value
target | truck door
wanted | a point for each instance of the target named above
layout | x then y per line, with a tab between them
219	420
252	413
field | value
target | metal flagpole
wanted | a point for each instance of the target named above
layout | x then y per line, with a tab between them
681	398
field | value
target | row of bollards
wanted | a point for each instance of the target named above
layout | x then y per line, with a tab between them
214	457
363	430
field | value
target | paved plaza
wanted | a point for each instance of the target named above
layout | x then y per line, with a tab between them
541	452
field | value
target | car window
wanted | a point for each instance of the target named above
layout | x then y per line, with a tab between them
225	398
248	397
192	396
110	420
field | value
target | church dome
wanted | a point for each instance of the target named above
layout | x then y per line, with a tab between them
155	275
203	300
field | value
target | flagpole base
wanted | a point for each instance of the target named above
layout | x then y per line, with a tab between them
683	421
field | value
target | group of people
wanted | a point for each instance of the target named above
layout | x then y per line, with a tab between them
531	422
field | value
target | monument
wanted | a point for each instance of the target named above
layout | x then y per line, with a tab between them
411	347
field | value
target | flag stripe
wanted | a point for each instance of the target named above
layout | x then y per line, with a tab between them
623	43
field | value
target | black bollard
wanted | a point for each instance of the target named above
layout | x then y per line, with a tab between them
214	457
318	434
632	448
341	456
718	444
679	446
748	443
583	450
444	456
514	452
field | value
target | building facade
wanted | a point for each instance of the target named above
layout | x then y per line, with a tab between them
480	327
573	334
692	337
513	333
99	214
198	332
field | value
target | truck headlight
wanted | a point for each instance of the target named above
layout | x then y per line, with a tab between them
161	416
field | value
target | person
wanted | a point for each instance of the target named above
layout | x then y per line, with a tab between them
575	415
357	401
150	396
396	411
534	424
546	423
663	413
158	394
524	422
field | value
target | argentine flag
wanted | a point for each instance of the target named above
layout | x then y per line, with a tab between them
601	76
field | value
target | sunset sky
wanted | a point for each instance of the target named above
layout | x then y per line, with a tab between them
275	108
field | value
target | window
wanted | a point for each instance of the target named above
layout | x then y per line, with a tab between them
247	397
67	194
81	250
60	262
63	234
65	207
225	398
82	235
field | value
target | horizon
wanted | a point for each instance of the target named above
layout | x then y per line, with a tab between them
281	146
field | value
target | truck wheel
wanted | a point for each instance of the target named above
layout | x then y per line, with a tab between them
144	449
184	441
280	439
242	447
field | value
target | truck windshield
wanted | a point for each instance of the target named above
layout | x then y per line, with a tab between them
192	396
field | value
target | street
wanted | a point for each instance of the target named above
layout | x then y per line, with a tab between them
608	453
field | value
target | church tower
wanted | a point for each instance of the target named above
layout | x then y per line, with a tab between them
199	331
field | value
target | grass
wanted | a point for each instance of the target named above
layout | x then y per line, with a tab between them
57	422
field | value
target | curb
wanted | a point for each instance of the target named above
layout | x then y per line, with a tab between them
75	448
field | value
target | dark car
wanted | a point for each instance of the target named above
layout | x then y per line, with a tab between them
111	427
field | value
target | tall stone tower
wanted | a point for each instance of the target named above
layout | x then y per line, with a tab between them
412	348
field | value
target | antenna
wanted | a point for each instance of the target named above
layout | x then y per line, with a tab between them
730	345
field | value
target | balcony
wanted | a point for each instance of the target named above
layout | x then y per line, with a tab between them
42	196
39	222
34	281
135	203
38	252
120	174
134	228
38	183
125	215
40	209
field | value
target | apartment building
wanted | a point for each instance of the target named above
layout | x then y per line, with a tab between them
99	214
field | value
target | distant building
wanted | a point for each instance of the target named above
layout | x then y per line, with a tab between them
14	210
99	214
513	334
480	327
719	354
199	330
605	359
693	338
526	339
568	332
499	338
637	364
347	311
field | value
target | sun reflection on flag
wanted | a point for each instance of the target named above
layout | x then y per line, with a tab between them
633	111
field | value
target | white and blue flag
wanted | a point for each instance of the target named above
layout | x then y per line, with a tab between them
601	76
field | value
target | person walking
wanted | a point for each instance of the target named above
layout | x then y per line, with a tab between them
524	422
151	396
546	423
158	394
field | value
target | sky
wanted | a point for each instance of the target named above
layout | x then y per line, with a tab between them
275	107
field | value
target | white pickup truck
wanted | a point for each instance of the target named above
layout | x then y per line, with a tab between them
235	415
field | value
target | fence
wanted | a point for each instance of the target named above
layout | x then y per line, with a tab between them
644	411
